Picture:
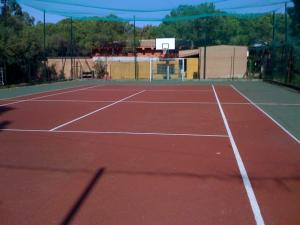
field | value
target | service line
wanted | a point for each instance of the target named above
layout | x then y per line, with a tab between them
159	102
117	133
246	181
152	90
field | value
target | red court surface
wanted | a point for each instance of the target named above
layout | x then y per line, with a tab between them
141	154
155	118
93	95
44	115
4	102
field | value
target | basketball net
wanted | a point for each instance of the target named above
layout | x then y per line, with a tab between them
165	51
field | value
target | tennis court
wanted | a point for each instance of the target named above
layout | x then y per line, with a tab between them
146	154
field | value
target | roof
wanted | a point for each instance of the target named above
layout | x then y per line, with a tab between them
195	52
187	53
149	43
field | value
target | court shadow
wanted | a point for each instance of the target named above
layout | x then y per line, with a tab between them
5	123
262	182
46	169
80	201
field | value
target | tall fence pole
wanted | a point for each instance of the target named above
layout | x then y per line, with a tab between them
273	28
204	56
233	64
71	46
1	76
183	69
286	23
134	50
44	45
4	7
204	60
199	63
150	70
287	77
44	34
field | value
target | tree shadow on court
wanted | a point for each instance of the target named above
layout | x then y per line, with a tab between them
262	182
5	123
46	169
80	201
84	194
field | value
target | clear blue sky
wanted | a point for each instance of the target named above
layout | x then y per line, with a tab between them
38	15
226	4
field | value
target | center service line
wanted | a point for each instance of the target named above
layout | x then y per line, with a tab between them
247	184
97	110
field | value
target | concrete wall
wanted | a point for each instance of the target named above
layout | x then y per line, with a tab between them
117	70
224	61
64	64
191	67
126	70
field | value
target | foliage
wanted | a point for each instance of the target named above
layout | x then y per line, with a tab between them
294	13
22	47
295	40
87	35
219	29
100	69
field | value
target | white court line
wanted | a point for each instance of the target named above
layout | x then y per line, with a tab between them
152	90
44	96
266	114
178	90
97	110
120	132
276	104
160	102
109	101
247	184
168	102
261	103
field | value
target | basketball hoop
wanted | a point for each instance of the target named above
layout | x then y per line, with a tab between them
165	45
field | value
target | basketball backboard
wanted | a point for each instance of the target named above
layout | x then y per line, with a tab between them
165	43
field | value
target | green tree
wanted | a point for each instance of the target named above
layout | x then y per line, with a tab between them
20	49
294	13
214	29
